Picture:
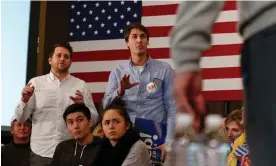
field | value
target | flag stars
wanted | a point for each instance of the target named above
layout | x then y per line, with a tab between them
78	27
103	11
72	20
122	16
72	6
84	6
109	3
78	13
109	17
96	18
71	33
122	2
97	4
115	24
108	31
83	33
90	26
127	22
84	19
102	24
115	10
128	9
95	32
90	12
121	30
135	15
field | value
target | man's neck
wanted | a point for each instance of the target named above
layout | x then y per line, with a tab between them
113	143
60	75
86	140
139	60
21	141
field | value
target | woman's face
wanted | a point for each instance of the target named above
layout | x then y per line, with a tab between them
233	130
114	125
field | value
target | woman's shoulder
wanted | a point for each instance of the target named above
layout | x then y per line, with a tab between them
139	146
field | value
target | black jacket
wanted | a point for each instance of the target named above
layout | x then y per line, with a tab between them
70	153
15	154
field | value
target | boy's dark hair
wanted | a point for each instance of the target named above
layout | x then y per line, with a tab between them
118	104
77	108
64	45
135	26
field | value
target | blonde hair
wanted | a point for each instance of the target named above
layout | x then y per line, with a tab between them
235	115
98	131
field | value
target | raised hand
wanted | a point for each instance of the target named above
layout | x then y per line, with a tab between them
27	92
125	84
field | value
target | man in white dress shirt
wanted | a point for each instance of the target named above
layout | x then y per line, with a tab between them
46	97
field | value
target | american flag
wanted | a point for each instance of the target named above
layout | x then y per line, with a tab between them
96	35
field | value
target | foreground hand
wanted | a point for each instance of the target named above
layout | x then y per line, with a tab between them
188	85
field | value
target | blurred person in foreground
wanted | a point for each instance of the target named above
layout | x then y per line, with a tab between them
190	37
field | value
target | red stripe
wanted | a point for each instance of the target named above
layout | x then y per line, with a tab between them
212	73
227	95
156	53
221	27
230	5
219	73
158	10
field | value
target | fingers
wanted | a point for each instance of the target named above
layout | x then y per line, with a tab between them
200	104
134	84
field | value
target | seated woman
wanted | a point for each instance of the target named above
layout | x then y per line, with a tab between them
236	135
121	144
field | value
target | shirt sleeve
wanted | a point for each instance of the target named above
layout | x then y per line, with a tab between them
112	89
88	100
169	103
24	110
191	34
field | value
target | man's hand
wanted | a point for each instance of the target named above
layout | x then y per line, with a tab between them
188	85
163	151
125	84
78	98
27	92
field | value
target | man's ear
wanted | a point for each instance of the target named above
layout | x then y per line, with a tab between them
50	60
90	123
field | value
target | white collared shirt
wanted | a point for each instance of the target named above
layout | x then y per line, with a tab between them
49	101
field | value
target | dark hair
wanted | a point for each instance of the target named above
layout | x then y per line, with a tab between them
118	104
64	45
77	108
135	26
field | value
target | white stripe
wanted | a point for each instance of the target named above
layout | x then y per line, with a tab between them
155	42
206	62
169	20
208	85
159	2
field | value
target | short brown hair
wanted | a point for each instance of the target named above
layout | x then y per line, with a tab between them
135	26
235	115
64	45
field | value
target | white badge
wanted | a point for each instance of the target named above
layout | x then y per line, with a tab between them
151	87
